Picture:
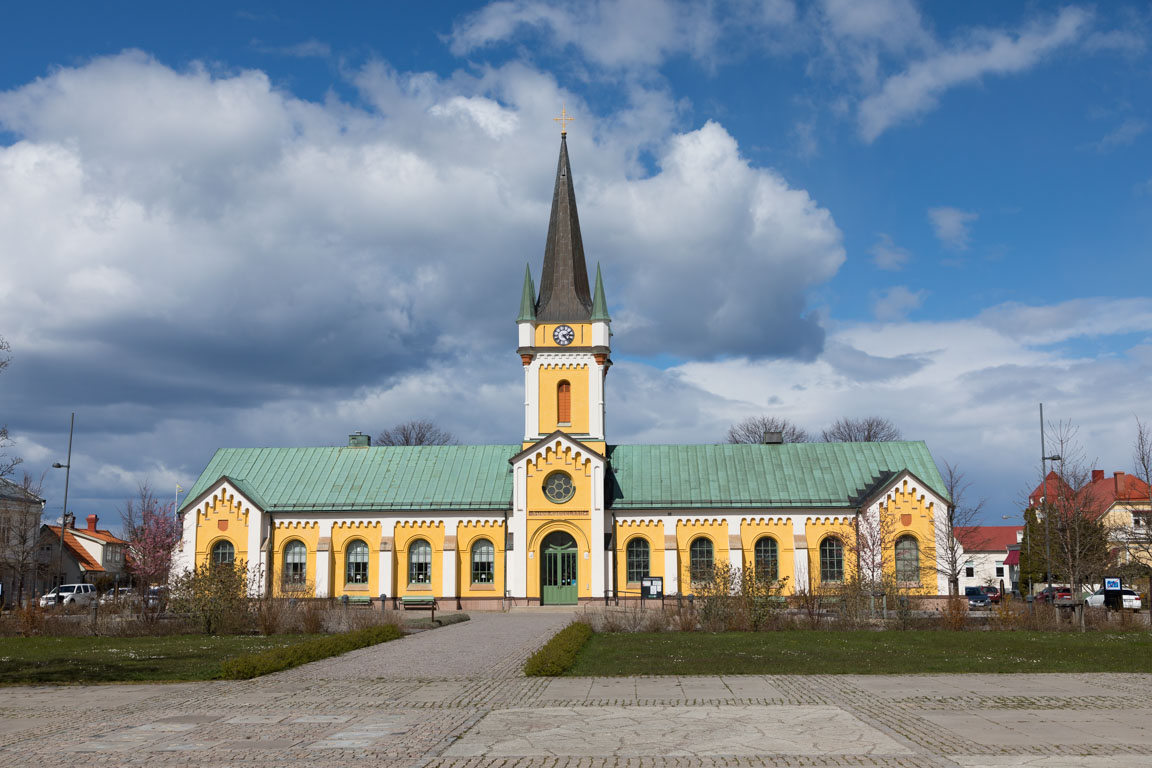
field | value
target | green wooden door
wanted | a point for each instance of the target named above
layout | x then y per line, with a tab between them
558	570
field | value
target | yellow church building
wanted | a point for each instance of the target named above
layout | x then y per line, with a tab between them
564	516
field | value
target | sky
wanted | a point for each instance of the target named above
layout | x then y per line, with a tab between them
281	224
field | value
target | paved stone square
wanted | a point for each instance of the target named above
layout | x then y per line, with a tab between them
455	698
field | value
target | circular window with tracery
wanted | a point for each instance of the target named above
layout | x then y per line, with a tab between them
558	487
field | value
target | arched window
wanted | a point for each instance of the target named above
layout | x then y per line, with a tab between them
295	563
356	563
223	553
483	562
831	559
636	560
907	560
700	560
766	559
420	562
564	403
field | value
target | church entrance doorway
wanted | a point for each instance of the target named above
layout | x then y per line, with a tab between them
558	569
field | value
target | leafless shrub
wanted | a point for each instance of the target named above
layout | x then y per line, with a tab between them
955	614
310	615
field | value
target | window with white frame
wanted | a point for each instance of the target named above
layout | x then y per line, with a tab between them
420	562
356	567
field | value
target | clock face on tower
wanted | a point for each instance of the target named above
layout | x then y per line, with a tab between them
563	335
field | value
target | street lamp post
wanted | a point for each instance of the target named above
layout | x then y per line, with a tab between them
1044	459
65	518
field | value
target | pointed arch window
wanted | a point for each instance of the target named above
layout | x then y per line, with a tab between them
483	562
223	553
908	560
831	560
766	559
420	562
564	403
700	560
636	560
356	568
295	563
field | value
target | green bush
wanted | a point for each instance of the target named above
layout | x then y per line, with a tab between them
559	653
257	664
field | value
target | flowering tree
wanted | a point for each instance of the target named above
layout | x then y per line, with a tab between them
152	532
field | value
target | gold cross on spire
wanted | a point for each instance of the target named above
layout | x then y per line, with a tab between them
564	120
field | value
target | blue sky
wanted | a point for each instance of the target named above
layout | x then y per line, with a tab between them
277	225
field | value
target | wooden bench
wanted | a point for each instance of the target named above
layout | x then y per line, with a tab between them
418	603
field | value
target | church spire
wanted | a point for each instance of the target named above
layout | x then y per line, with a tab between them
564	294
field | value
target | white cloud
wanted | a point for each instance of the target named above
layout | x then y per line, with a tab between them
1123	135
196	258
896	302
887	255
951	226
918	88
968	387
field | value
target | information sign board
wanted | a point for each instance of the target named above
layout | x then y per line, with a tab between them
652	587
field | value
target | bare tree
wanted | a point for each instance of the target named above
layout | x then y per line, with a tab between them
8	463
20	516
754	428
949	549
870	429
1080	537
415	432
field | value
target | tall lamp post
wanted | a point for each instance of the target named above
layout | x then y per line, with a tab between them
65	518
1044	486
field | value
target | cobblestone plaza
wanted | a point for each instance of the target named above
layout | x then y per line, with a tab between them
455	697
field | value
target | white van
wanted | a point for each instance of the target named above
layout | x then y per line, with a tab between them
69	594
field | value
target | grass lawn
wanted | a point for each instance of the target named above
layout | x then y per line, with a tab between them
861	652
126	659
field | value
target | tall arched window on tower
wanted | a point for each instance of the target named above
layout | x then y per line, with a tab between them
564	403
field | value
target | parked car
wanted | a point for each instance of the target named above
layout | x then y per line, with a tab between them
1048	594
69	594
118	595
1131	599
993	593
977	598
156	598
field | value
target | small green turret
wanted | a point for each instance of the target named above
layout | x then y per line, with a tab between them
599	303
527	298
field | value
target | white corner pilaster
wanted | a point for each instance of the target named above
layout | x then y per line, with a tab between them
324	559
517	576
386	582
671	558
448	588
800	554
596	558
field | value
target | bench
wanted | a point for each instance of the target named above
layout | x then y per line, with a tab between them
418	603
360	601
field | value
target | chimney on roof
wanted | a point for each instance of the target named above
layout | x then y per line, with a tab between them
773	438
1097	474
92	520
359	440
1120	483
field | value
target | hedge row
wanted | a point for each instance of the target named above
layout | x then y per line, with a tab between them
257	664
559	653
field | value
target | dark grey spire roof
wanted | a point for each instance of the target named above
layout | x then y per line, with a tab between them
564	293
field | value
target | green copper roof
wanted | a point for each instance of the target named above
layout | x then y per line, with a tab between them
527	299
364	479
599	303
761	476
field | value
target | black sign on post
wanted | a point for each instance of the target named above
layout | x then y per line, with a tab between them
1113	594
652	587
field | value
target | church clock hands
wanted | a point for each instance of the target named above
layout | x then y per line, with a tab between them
563	335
